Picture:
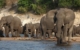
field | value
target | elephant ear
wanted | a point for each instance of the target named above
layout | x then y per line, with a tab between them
9	19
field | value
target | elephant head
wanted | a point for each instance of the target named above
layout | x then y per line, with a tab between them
6	19
3	20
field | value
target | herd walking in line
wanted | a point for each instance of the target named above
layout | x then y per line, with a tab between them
60	21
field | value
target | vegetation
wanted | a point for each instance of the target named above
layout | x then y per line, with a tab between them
1	3
42	6
69	3
37	6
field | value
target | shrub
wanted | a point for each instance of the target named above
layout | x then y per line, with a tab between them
1	3
37	6
42	6
65	3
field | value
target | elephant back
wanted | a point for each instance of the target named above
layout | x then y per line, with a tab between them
30	25
37	25
17	21
65	14
51	13
9	18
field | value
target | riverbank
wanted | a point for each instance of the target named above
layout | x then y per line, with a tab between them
74	39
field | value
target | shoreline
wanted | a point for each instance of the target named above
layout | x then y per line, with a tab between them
74	39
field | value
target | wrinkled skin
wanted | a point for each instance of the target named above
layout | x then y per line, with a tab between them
12	24
37	30
1	30
65	19
47	23
29	29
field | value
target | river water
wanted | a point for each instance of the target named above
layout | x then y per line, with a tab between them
36	45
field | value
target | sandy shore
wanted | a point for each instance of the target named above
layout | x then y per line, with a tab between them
74	39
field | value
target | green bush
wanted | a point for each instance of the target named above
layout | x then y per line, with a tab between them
76	3
37	6
1	3
69	3
65	3
22	10
42	6
24	5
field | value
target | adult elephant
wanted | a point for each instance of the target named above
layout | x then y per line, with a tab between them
65	19
12	24
47	23
29	29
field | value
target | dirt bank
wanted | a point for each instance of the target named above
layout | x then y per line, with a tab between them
27	18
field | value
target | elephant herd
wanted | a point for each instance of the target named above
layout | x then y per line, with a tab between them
59	21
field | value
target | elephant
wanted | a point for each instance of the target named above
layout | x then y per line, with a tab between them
29	29
1	30
64	23
47	23
76	30
37	30
12	24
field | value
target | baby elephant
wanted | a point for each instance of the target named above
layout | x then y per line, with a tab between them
29	29
37	30
76	30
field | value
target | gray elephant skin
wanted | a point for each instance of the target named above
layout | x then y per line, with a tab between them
37	30
47	23
29	29
65	19
12	24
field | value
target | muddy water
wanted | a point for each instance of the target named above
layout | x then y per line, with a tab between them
36	45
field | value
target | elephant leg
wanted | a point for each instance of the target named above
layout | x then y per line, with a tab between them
29	33
43	28
65	29
40	35
59	31
70	30
37	33
32	35
18	34
26	32
70	34
12	33
50	34
44	33
6	31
